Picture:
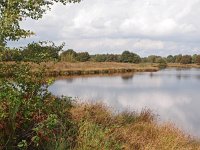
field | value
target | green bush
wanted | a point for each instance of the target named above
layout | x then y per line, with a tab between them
129	57
99	58
41	52
8	54
69	55
30	116
83	56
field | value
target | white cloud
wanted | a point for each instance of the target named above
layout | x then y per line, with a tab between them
143	26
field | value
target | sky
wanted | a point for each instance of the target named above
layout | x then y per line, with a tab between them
145	27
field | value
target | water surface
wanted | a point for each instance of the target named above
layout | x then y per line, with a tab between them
171	93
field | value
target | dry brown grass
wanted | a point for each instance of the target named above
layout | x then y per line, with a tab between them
178	65
102	67
58	69
93	68
90	68
127	130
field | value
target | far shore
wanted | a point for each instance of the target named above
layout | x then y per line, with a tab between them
66	69
178	65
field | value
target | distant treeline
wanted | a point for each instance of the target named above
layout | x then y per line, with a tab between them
48	51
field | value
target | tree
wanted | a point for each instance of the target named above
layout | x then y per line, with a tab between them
129	57
99	58
69	55
83	56
197	59
170	59
194	58
178	58
151	58
158	59
14	11
113	58
10	55
144	59
41	51
125	57
186	59
161	62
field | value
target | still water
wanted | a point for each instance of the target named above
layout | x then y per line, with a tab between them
173	94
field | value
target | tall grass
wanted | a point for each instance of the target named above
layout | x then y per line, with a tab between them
99	128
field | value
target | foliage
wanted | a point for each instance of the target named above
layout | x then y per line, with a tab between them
113	58
197	60
99	58
144	60
178	58
14	11
33	52
161	63
186	59
10	55
83	57
48	51
129	57
69	55
170	59
151	58
194	58
30	117
105	58
41	51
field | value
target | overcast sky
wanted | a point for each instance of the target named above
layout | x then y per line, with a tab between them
145	27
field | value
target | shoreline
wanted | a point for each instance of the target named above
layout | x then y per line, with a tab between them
106	68
71	73
66	69
92	68
176	65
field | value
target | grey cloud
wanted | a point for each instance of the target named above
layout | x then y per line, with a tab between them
143	26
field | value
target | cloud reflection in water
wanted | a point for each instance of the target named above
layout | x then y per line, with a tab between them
173	94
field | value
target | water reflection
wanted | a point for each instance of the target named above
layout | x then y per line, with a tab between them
127	77
69	80
179	73
173	94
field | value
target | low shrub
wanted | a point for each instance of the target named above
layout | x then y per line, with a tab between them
30	116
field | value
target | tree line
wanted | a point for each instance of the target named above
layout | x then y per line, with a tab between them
48	51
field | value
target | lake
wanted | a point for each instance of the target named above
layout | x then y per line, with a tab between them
173	94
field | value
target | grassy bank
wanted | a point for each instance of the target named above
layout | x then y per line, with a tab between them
92	68
178	65
57	69
99	128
